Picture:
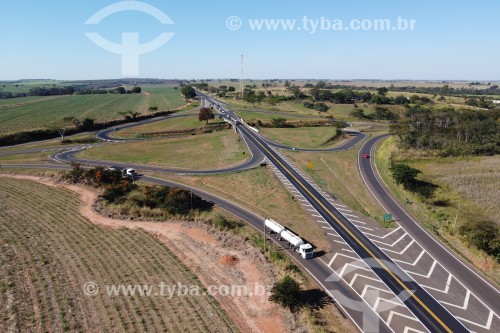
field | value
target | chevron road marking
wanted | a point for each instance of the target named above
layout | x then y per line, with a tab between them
386	235
395	242
486	326
445	290
466	301
416	260
402	251
363	276
428	275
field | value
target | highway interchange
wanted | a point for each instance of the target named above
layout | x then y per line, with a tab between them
398	281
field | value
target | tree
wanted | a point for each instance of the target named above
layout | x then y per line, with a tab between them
87	124
287	293
278	122
382	91
404	174
250	96
358	114
483	234
188	92
205	114
121	90
322	107
61	133
136	90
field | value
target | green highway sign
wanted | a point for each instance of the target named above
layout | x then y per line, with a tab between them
387	217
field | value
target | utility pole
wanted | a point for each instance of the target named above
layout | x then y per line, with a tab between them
456	218
265	235
241	78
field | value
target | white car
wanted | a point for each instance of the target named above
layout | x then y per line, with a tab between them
129	172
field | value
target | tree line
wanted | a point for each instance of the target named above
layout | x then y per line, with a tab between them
450	132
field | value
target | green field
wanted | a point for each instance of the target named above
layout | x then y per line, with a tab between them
196	152
25	86
23	114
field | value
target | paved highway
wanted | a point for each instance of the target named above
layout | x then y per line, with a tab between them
478	285
427	309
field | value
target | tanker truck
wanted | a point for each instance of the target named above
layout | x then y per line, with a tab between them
295	242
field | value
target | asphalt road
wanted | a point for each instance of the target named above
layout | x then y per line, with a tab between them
431	313
462	271
427	309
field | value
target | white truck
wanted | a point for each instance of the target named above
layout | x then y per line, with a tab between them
294	241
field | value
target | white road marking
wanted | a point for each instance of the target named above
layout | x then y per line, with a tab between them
412	263
395	242
402	251
382	237
358	222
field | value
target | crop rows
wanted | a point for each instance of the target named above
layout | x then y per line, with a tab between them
46	112
48	253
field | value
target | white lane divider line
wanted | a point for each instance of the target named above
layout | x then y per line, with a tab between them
357	221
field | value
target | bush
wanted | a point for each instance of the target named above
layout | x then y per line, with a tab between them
483	234
322	107
287	293
116	193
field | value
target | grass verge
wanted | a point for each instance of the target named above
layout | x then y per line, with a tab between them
456	179
198	152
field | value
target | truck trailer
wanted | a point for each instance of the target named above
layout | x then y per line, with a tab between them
295	242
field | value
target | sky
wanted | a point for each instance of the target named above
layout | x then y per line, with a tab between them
450	40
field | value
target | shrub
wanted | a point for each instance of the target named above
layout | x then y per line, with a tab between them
483	234
287	293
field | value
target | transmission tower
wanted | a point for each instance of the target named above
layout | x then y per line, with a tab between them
241	78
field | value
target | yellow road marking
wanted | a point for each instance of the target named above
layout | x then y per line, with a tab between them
401	283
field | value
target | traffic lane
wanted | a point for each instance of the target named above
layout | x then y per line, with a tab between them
462	271
33	150
403	294
36	166
359	311
435	318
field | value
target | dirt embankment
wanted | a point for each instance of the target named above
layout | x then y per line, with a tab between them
217	258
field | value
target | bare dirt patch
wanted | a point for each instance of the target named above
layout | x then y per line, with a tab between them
228	260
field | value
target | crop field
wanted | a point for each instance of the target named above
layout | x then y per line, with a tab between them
49	252
476	180
196	152
24	87
48	112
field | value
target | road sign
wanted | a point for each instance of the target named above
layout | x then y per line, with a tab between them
387	217
309	165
